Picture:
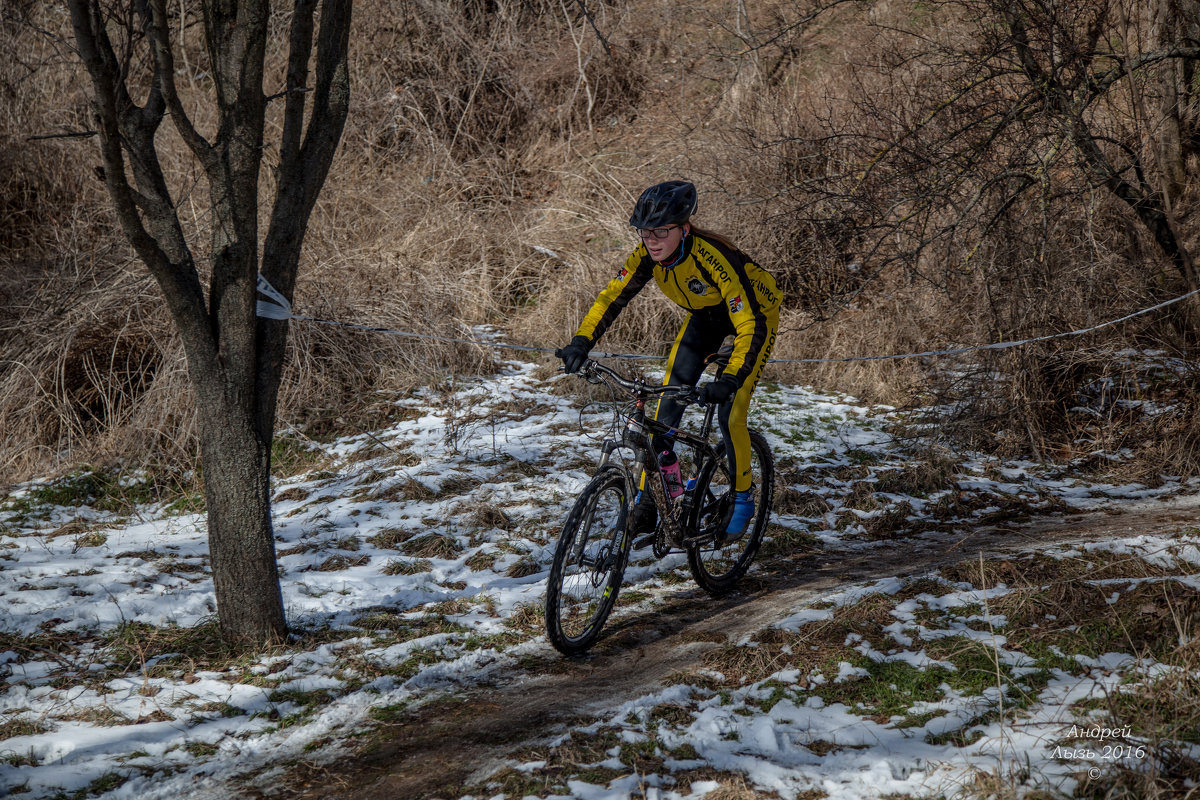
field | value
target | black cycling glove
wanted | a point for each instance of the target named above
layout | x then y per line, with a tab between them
574	354
718	391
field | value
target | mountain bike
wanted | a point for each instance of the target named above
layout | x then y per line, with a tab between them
595	544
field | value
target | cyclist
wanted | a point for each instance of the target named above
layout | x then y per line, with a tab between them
725	294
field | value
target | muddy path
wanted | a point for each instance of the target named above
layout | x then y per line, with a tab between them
439	749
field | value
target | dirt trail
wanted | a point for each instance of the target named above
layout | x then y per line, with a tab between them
436	750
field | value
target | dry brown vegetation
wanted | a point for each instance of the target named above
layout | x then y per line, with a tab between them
890	162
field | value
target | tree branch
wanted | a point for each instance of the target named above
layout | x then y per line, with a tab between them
305	158
164	82
299	51
799	23
286	92
65	135
1100	84
331	100
306	155
1025	55
96	52
148	220
583	7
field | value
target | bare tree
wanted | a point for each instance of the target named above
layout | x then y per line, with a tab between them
971	116
1069	69
1175	116
965	171
234	358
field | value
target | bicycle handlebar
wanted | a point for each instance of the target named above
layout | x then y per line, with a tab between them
684	394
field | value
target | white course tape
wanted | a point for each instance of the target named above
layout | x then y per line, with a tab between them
278	308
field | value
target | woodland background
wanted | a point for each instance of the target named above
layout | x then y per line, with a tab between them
918	175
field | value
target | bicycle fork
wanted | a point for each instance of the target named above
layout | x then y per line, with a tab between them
604	557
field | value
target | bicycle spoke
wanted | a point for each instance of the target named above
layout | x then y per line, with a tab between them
717	563
588	564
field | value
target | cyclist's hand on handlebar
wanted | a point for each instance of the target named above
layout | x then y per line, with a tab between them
575	354
687	395
718	391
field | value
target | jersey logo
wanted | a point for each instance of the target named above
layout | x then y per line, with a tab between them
735	304
696	286
621	275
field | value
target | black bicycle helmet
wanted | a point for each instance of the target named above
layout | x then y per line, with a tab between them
664	204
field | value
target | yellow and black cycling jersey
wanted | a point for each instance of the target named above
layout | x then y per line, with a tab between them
707	277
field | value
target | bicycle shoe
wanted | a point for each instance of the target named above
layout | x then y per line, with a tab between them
743	510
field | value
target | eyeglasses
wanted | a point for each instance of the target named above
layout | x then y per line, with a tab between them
656	233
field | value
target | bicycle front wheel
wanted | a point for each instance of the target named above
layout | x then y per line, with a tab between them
717	565
589	563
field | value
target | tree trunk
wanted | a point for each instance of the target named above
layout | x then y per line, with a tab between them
240	536
234	359
1172	22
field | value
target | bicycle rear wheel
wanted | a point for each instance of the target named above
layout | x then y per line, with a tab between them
589	563
716	566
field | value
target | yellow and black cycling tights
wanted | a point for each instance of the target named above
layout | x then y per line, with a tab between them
701	336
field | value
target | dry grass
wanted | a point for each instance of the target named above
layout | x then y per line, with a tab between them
340	562
480	132
13	728
489	516
407	566
1054	608
523	568
789	500
431	545
528	617
200	646
392	538
736	787
892	523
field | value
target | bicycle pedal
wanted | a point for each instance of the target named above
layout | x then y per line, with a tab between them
729	538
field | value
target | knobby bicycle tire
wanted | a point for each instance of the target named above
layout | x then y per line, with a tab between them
717	567
589	563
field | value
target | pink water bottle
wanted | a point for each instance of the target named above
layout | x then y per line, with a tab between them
669	464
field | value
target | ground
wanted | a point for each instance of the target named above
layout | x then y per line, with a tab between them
445	749
920	623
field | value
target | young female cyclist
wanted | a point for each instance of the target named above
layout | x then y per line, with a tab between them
725	294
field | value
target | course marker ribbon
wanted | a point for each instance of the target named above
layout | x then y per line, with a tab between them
279	308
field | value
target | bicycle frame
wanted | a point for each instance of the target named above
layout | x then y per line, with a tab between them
596	540
637	434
